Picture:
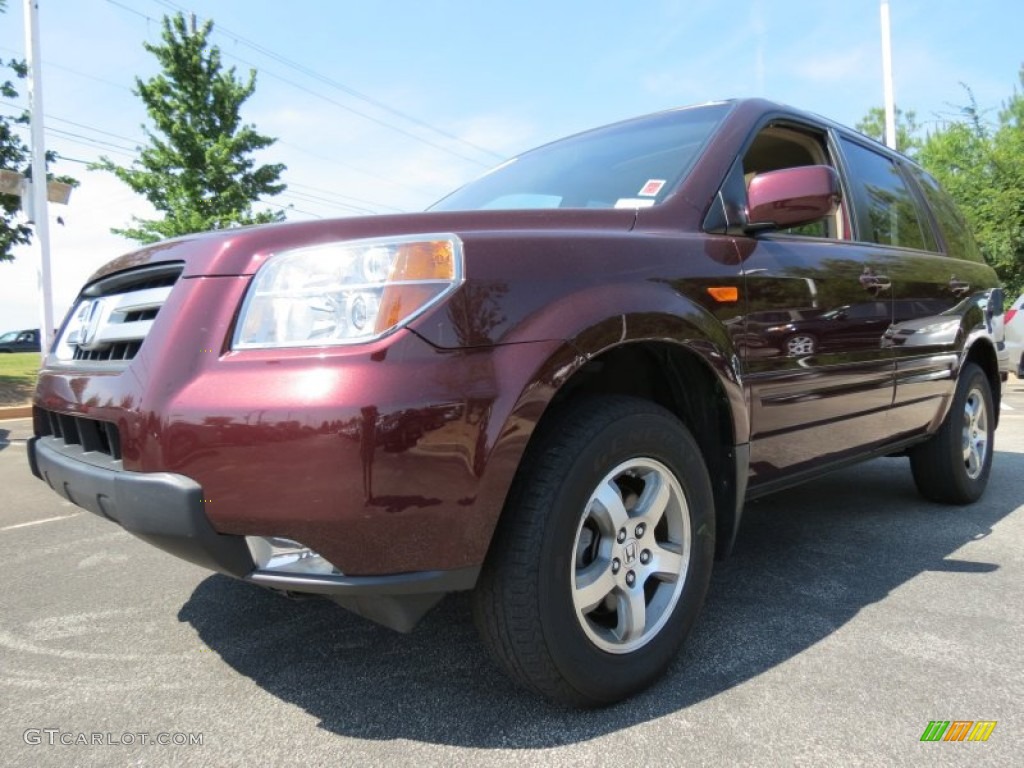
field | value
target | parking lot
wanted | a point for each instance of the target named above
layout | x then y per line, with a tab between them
850	615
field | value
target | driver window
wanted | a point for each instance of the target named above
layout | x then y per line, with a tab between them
777	147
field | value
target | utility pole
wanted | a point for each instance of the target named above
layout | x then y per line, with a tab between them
37	207
890	101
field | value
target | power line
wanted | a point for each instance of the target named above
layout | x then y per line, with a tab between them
323	97
323	201
131	152
351	167
87	143
309	72
345	107
96	142
332	193
282	142
52	65
76	138
78	125
293	208
317	155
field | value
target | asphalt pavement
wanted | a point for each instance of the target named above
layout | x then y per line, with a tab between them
851	614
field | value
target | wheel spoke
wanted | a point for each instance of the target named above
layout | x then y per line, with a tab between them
632	614
593	584
666	564
654	500
607	509
630	555
975	434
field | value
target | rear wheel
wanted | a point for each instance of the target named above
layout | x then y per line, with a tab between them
801	345
954	465
603	556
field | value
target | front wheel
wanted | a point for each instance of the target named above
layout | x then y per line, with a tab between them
954	465
603	556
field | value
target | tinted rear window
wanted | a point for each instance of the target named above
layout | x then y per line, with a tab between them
886	210
959	240
627	165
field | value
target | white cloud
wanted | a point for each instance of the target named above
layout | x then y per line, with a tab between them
78	248
834	67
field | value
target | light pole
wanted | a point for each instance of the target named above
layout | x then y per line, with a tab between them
37	202
890	102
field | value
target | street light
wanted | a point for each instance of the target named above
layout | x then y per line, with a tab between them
890	102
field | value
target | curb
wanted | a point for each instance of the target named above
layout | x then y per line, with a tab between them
16	412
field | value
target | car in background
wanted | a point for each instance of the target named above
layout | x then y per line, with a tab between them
860	325
942	329
1014	335
20	341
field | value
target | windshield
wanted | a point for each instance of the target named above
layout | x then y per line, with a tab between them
634	164
8	337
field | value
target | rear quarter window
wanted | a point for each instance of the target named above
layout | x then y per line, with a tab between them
957	235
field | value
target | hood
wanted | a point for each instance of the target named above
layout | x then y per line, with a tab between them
243	250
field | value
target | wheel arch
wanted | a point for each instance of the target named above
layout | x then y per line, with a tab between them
680	379
983	354
690	376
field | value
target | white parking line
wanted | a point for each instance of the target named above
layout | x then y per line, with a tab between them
35	522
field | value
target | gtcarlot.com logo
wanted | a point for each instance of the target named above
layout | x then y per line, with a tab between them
958	730
57	737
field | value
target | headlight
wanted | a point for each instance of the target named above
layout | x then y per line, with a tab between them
347	293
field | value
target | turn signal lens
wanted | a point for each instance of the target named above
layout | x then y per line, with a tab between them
724	293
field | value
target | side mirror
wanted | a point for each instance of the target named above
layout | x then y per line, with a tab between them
791	197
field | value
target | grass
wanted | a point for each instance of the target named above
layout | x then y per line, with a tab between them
18	373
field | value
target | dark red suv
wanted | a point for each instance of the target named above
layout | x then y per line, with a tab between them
556	388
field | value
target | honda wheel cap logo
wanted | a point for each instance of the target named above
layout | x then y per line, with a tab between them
629	552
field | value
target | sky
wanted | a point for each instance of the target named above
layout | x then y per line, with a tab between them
385	105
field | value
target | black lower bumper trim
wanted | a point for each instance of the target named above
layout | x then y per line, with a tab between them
418	582
165	510
161	508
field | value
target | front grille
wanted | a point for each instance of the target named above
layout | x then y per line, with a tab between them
114	314
91	434
116	351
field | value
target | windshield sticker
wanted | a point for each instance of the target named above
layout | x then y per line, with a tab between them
652	188
634	202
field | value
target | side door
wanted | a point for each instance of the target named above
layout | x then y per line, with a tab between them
820	386
26	342
942	292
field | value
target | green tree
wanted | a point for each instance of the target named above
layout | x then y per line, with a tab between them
982	167
197	168
15	156
907	141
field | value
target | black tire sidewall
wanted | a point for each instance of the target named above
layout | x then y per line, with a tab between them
598	675
938	464
971	488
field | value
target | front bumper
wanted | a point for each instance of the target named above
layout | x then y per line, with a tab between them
161	508
166	510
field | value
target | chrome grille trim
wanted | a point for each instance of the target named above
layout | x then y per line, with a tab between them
114	315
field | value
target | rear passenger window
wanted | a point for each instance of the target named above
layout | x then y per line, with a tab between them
959	241
886	210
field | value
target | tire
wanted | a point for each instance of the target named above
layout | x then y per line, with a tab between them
602	558
801	345
954	465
